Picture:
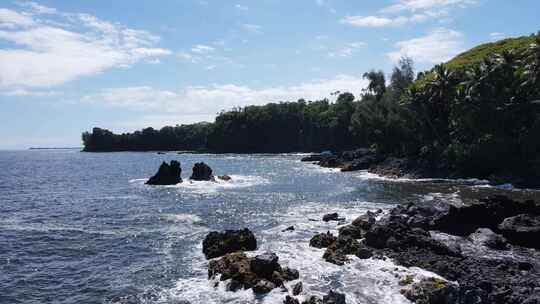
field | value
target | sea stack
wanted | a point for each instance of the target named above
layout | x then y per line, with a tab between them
201	172
168	174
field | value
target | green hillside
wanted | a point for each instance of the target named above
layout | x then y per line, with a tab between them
477	54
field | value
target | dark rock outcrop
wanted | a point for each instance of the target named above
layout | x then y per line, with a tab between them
359	226
337	252
297	288
224	177
322	240
432	291
331	162
168	174
216	244
330	217
261	273
488	238
523	230
334	298
290	300
201	172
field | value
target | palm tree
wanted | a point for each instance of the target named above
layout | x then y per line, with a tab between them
377	83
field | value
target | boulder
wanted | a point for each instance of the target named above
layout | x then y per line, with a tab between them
265	264
334	298
351	230
313	300
322	240
337	252
331	162
217	244
330	217
261	273
365	221
224	177
314	158
297	288
432	291
201	172
488	238
362	163
290	300
290	228
168	174
523	230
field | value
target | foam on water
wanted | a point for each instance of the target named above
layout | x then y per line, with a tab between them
202	187
363	281
365	175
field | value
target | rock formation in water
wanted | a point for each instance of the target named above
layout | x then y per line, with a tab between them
407	235
202	172
217	244
168	174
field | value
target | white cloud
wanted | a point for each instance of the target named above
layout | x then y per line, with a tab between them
209	100
241	7
202	49
48	54
348	50
437	46
419	5
28	93
497	36
252	28
37	8
11	19
416	11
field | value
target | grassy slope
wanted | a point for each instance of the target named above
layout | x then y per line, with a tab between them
477	54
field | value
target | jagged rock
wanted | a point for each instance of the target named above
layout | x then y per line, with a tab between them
330	217
331	162
262	273
322	240
488	238
167	174
334	298
362	163
265	264
523	230
297	288
313	300
290	300
314	158
216	244
364	253
351	230
225	177
290	228
202	172
432	291
365	221
337	252
263	286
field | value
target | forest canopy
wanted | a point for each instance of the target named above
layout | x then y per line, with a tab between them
479	112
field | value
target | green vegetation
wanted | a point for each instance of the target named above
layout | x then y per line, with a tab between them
477	115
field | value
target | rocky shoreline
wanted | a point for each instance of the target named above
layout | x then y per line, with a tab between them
485	251
402	167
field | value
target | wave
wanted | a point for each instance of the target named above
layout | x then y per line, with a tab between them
202	187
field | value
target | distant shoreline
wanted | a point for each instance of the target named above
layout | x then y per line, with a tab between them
55	148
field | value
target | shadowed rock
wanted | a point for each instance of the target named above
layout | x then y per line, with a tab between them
322	240
167	174
201	172
488	238
216	244
523	230
432	291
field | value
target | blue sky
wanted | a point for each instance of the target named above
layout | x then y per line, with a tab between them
67	66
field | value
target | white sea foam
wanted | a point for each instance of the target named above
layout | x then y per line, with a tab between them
364	174
363	281
201	187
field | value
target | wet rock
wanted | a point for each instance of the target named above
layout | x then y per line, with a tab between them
314	158
334	298
488	238
432	291
523	230
356	154
337	252
362	163
365	221
201	172
364	253
263	286
350	230
322	240
265	264
217	244
290	228
290	274
224	177
313	300
290	300
330	217
297	288
168	174
331	162
262	273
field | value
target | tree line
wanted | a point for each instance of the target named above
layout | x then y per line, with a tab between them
482	118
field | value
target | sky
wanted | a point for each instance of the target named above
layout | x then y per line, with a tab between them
69	66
